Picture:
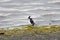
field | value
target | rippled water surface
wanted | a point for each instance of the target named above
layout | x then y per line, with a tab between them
16	12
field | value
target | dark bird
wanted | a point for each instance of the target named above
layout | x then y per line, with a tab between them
31	21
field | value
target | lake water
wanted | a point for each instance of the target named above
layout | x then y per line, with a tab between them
16	12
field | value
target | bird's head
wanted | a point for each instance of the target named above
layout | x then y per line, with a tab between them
29	17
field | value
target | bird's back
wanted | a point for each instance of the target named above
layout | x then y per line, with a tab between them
32	22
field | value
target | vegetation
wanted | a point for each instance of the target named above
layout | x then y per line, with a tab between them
30	30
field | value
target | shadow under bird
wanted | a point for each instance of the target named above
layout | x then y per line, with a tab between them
31	20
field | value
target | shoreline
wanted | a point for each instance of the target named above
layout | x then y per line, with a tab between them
31	33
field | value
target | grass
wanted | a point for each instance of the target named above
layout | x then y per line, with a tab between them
30	30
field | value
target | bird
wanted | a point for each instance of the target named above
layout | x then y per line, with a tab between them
31	20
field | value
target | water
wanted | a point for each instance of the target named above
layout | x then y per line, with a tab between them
16	12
